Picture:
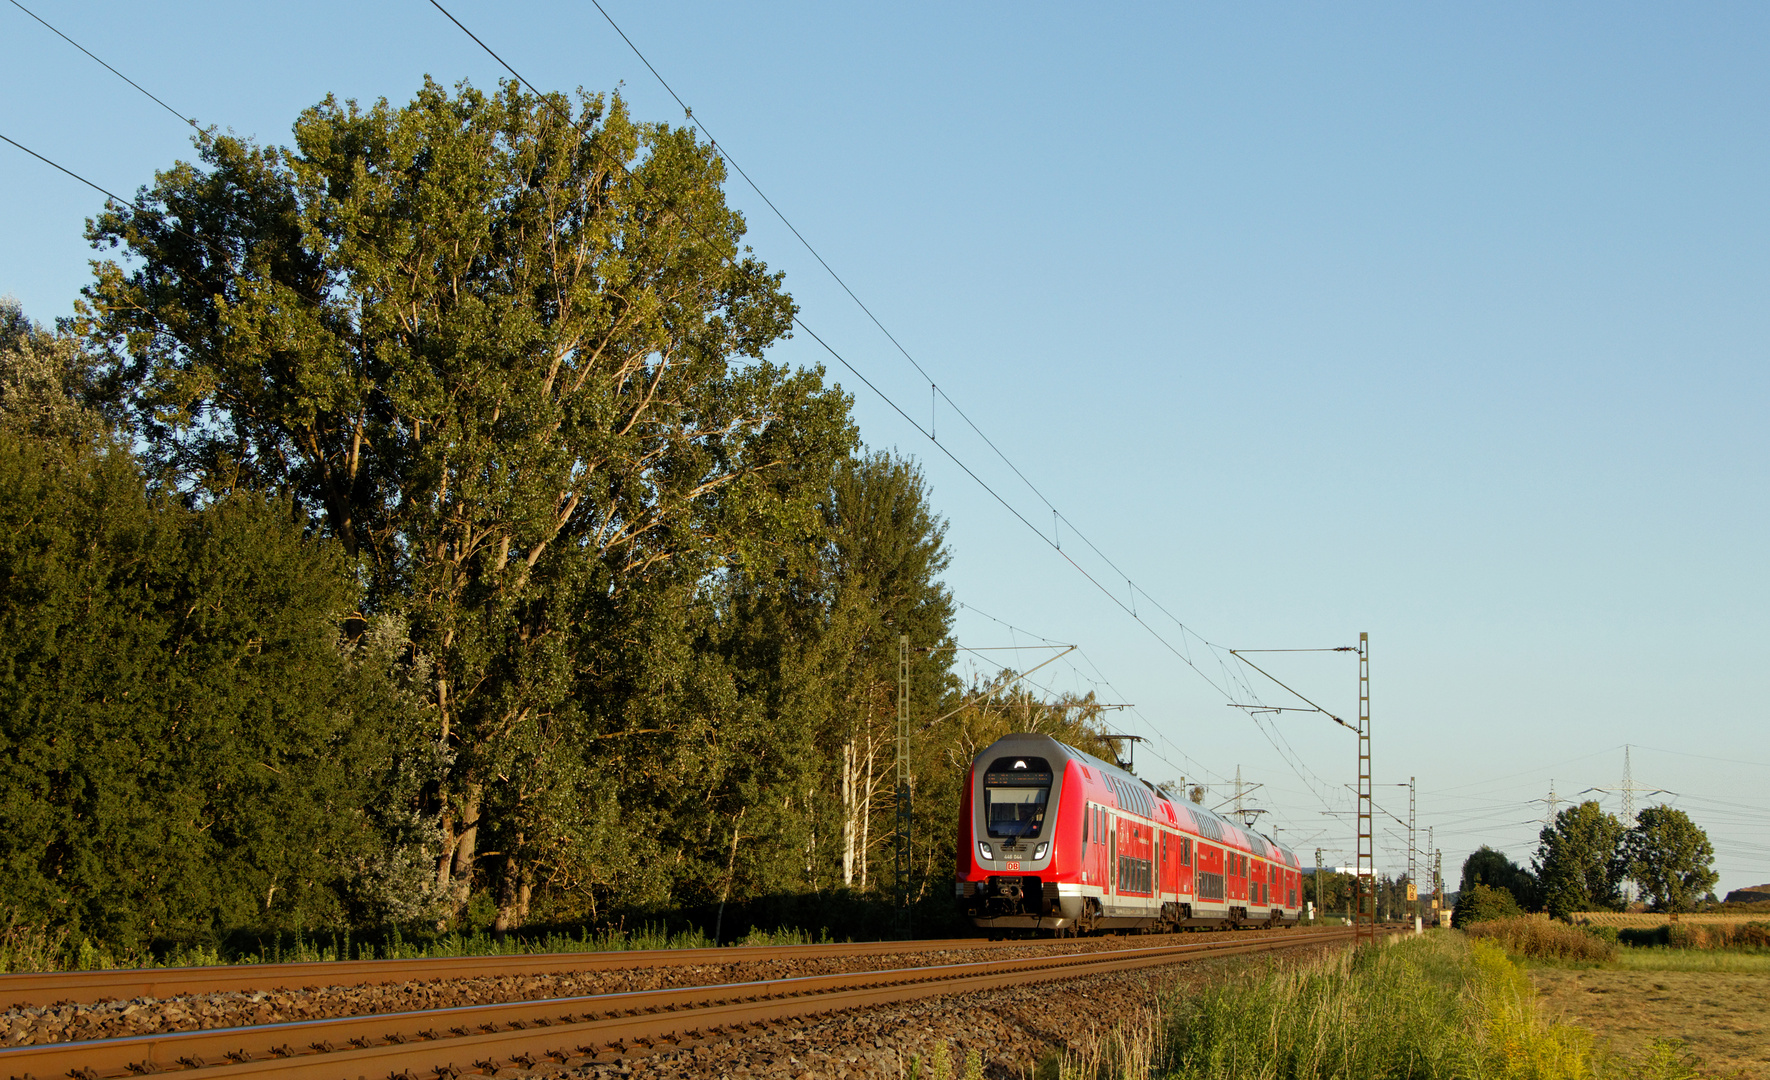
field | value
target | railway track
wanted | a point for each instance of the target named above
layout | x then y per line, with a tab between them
24	990
457	1041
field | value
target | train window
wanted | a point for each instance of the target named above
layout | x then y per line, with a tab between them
1014	795
1087	819
1186	852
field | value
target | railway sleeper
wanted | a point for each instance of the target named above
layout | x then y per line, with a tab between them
635	1045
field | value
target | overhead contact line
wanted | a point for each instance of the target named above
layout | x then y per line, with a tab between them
104	65
1054	542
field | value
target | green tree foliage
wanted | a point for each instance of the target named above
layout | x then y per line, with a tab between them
880	580
1580	863
1338	890
1484	903
478	380
1485	866
1670	858
508	352
44	380
185	748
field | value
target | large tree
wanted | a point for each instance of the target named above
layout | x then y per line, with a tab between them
1670	858
44	379
1579	861
507	350
185	747
1491	868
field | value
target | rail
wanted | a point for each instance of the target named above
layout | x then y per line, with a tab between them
454	1040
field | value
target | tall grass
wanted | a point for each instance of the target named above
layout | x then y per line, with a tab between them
1542	939
1752	962
1437	1006
1750	935
27	948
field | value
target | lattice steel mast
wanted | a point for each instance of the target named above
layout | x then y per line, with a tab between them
903	783
1413	883
1366	916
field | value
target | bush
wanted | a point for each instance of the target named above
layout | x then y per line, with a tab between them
1541	939
1483	903
1644	937
1718	935
1705	936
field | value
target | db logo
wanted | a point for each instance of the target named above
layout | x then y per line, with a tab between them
1013	866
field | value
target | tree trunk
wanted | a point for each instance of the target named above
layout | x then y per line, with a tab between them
464	847
512	897
869	784
850	827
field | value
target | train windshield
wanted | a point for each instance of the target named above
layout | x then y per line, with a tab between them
1015	791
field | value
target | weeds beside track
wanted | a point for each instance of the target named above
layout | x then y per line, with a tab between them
1436	1006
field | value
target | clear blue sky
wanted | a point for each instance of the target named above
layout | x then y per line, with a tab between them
1443	323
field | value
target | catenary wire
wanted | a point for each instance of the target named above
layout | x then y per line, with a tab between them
1186	631
1053	542
106	66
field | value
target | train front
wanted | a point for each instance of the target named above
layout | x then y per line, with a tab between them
1018	864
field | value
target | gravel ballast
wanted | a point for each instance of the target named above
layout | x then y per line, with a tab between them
1010	1028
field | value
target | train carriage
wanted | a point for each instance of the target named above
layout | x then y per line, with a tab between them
1055	840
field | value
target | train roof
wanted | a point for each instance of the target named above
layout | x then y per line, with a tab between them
1258	843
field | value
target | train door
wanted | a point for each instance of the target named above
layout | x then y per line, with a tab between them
1087	842
1097	853
1112	858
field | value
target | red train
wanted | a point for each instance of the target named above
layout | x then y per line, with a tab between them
1055	840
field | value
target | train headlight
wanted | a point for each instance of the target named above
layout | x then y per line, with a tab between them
983	849
1039	852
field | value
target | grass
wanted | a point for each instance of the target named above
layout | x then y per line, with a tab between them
1427	1007
1542	939
1742	962
939	1065
26	948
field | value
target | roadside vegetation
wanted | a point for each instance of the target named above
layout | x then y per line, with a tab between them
1542	939
1432	1006
25	948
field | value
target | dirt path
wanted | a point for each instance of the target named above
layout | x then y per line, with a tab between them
1725	1017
